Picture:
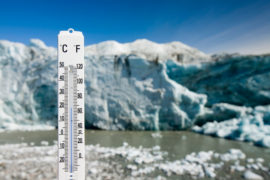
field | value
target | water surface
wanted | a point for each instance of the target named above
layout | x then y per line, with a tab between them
176	143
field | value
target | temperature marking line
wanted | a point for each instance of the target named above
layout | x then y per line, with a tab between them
71	140
66	97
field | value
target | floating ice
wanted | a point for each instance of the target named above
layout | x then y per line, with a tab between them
156	135
252	176
249	128
44	143
125	162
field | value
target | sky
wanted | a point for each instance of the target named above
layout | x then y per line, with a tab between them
212	26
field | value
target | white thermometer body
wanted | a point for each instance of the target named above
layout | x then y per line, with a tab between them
71	137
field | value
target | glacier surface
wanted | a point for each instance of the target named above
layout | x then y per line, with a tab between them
233	79
238	95
142	85
127	86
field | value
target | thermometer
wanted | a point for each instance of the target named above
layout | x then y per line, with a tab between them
71	150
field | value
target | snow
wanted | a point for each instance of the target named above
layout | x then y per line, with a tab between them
37	44
146	49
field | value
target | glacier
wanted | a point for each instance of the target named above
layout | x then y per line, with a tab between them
124	90
142	85
238	95
233	79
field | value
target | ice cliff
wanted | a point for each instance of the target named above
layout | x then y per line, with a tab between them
238	95
140	85
127	86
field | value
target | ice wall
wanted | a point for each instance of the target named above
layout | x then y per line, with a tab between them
126	88
142	86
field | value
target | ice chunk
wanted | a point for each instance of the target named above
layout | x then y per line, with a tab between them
252	176
156	135
246	128
118	163
44	143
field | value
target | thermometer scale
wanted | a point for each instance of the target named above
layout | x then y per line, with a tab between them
71	148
